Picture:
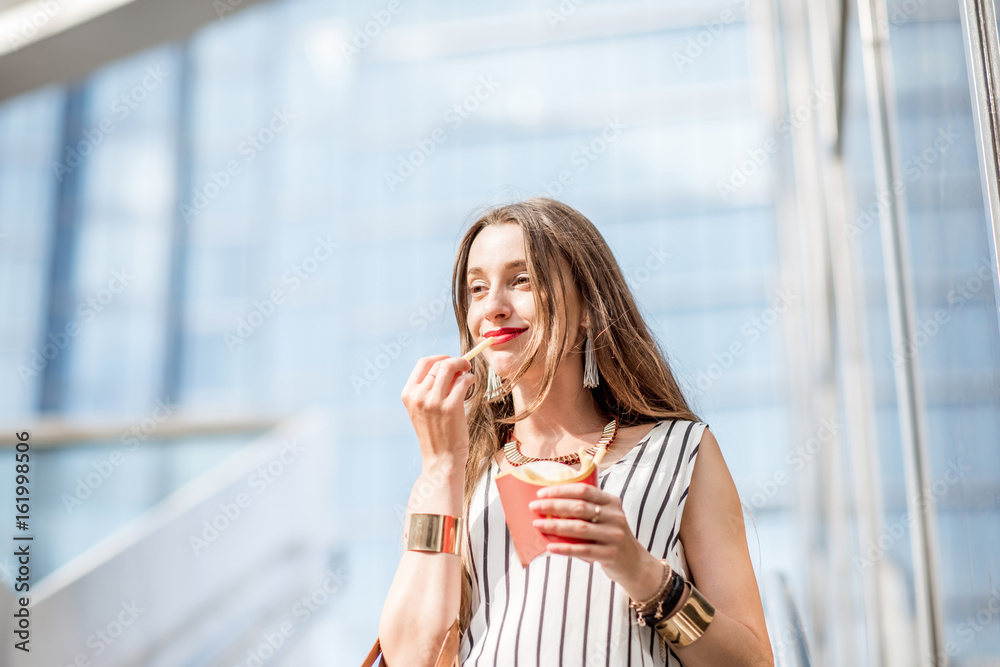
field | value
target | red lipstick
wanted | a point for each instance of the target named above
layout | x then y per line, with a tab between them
504	334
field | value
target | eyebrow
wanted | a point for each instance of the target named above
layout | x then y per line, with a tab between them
509	265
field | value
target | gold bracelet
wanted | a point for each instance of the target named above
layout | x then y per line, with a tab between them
643	609
690	621
435	532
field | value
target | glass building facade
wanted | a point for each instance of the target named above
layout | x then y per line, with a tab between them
264	217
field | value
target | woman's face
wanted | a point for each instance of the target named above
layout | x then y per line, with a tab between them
501	303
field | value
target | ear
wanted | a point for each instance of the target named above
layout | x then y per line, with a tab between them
584	321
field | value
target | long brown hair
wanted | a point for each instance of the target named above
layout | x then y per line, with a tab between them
636	384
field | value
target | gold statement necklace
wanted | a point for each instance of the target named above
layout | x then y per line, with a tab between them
512	450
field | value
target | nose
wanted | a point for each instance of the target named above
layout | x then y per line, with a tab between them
496	305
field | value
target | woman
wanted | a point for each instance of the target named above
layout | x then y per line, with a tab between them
538	276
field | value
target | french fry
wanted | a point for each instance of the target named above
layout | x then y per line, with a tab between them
471	354
601	451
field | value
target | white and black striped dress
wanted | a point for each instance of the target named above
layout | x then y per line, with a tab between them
562	610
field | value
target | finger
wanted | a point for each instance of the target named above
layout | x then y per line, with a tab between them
447	370
459	390
456	392
580	490
432	373
564	508
587	552
423	365
581	530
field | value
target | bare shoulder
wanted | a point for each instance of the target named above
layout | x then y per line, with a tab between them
713	506
714	537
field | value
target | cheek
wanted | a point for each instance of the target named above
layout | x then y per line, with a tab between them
526	307
473	318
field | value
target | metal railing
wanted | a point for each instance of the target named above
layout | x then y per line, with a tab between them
206	575
784	625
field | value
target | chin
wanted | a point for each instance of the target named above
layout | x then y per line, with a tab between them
504	370
507	370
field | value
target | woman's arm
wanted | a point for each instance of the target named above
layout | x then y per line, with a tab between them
715	545
425	594
424	597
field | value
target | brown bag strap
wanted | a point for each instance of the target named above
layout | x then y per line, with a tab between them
447	656
373	655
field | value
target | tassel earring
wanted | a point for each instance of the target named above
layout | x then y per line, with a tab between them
493	382
590	375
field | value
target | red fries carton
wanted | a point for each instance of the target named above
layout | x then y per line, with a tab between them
519	486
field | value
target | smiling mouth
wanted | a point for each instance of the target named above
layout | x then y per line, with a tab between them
505	334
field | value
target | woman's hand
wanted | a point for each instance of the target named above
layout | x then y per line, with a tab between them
434	397
614	546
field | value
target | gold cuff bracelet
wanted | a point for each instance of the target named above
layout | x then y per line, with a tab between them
434	532
689	622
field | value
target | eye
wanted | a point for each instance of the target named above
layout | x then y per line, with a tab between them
475	287
523	277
